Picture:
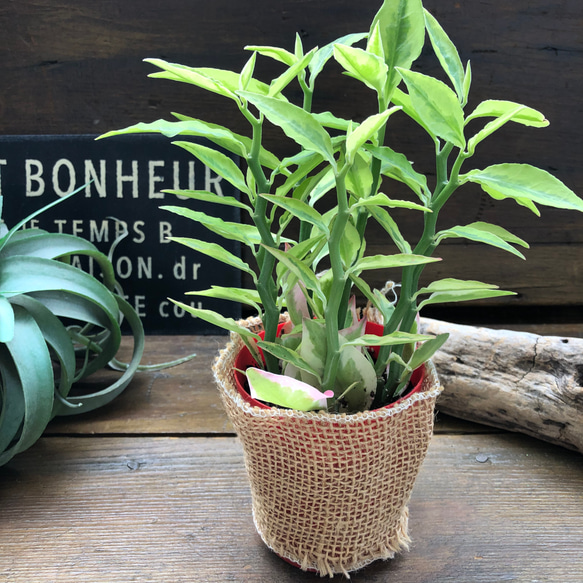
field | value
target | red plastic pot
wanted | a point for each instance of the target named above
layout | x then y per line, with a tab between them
244	360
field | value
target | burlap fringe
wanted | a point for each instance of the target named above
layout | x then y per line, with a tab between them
330	492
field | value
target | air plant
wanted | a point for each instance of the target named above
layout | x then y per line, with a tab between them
58	326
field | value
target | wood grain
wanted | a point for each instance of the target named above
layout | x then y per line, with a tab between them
184	401
485	508
179	400
512	380
76	67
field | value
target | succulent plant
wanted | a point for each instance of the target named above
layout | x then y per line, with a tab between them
58	325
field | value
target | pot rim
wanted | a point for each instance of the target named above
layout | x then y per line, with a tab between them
224	376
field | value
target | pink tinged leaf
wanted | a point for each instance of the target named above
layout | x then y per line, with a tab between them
284	391
297	304
353	310
357	329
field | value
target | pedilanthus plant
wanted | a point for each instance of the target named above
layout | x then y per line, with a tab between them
348	163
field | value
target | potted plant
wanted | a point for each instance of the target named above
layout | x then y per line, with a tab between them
58	326
334	431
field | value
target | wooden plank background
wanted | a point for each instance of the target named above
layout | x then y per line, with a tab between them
76	67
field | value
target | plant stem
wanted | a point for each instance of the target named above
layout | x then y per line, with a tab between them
266	285
406	309
333	312
362	213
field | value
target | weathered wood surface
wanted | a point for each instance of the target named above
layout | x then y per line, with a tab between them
152	489
183	400
76	67
160	510
512	380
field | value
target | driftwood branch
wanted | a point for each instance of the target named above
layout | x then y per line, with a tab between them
512	380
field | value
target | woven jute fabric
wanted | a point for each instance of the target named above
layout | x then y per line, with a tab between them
330	492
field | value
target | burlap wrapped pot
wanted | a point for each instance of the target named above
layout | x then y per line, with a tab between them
330	492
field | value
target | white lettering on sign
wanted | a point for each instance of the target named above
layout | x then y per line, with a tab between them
121	178
210	182
70	181
165	232
2	163
166	308
98	181
129	174
34	171
154	179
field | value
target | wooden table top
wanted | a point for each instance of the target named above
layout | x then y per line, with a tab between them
153	489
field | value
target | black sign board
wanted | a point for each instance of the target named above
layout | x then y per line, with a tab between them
128	174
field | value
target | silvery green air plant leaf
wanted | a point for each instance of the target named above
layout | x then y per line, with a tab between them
284	391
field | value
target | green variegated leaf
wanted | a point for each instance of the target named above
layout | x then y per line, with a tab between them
276	53
313	349
350	245
356	380
296	123
390	226
381	199
453	284
217	252
299	269
241	232
325	183
390	261
490	128
291	356
359	178
499	232
364	66
299	209
218	163
374	43
220	81
525	182
437	106
279	84
426	351
217	320
324	54
396	166
267	158
403	100
520	113
189	127
234	294
205	196
393	339
447	54
176	72
247	72
477	233
463	296
366	131
402	30
467	82
329	120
